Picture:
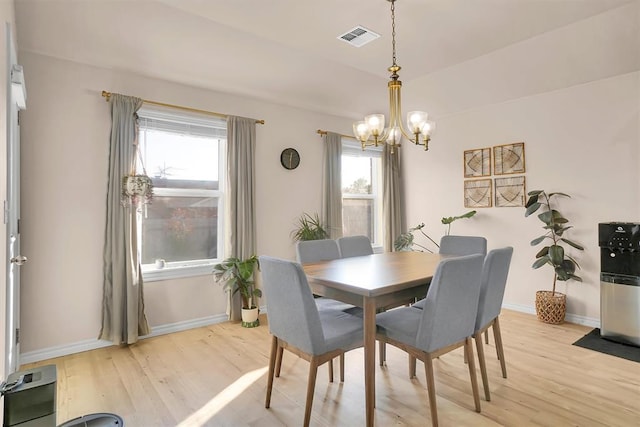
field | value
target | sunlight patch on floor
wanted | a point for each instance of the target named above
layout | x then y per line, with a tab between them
215	405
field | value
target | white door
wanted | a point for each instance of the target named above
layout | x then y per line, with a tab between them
16	100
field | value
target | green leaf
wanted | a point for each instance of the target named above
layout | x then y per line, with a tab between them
556	254
540	262
543	252
531	208
546	217
450	219
534	192
538	240
557	193
572	243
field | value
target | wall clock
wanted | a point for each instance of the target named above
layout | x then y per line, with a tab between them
290	158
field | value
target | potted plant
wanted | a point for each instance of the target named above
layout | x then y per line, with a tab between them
237	276
309	228
406	241
551	306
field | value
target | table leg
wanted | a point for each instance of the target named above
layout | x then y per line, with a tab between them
369	358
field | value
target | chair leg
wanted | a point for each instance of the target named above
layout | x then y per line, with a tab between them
272	365
472	373
342	368
486	336
483	366
311	385
279	360
382	349
330	364
412	367
431	389
498	337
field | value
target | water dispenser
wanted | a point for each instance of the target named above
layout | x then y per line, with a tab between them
620	281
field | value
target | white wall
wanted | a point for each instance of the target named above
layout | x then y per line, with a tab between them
65	152
581	139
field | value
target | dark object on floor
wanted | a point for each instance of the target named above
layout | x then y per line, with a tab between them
30	397
95	420
593	341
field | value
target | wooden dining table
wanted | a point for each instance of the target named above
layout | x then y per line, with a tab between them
373	282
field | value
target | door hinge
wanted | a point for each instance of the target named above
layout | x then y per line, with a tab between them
17	335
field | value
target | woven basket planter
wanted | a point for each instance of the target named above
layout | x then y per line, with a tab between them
550	307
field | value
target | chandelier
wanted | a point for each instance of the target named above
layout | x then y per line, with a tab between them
372	131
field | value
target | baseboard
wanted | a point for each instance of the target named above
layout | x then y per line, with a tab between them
62	350
569	317
78	347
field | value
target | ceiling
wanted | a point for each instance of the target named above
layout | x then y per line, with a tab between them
287	51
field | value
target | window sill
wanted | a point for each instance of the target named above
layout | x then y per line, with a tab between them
152	274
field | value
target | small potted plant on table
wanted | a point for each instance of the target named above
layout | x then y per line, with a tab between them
551	306
237	276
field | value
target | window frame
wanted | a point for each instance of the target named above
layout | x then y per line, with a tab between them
354	149
196	267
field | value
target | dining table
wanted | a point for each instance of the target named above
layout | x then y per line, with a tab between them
373	282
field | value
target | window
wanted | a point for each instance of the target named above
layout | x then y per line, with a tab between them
362	191
184	156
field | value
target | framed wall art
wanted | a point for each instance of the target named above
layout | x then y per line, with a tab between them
477	193
510	191
477	163
508	159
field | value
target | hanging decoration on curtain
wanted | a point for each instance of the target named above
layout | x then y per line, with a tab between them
137	189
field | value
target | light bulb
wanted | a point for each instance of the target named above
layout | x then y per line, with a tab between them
361	131
375	123
416	121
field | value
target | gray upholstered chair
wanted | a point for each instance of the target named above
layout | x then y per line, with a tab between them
460	245
298	326
308	251
494	280
354	246
463	245
447	321
317	250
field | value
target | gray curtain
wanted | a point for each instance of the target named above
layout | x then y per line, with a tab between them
332	184
123	319
241	212
392	197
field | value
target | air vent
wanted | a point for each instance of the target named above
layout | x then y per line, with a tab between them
358	36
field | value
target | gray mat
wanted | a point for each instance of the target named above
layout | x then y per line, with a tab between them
593	341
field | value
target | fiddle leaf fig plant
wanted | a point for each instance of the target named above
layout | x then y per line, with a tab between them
555	226
237	276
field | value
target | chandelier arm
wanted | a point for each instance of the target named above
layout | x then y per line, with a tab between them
395	110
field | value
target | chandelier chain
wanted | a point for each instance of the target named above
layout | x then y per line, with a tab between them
393	30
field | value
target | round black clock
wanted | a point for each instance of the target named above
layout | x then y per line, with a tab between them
290	158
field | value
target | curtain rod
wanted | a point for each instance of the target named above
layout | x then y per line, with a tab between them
324	132
107	95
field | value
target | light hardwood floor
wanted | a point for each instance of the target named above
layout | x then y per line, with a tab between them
216	376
